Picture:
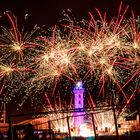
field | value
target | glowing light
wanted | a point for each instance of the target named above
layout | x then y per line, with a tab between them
103	61
78	104
104	55
109	71
79	85
6	70
16	46
90	53
135	45
46	58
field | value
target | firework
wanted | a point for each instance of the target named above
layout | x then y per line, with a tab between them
104	55
16	48
59	119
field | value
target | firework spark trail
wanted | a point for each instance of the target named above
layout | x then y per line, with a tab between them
104	115
58	119
128	102
106	52
2	87
92	104
101	52
57	61
16	48
13	25
109	46
14	42
118	54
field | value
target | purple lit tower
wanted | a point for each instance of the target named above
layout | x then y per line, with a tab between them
78	103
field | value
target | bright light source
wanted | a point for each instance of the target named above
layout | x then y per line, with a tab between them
79	85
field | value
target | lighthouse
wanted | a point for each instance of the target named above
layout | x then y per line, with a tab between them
78	104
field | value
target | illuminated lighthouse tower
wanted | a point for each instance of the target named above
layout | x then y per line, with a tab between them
78	104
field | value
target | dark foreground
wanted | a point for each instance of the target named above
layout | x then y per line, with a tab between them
134	137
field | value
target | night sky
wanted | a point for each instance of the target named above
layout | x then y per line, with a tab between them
50	12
